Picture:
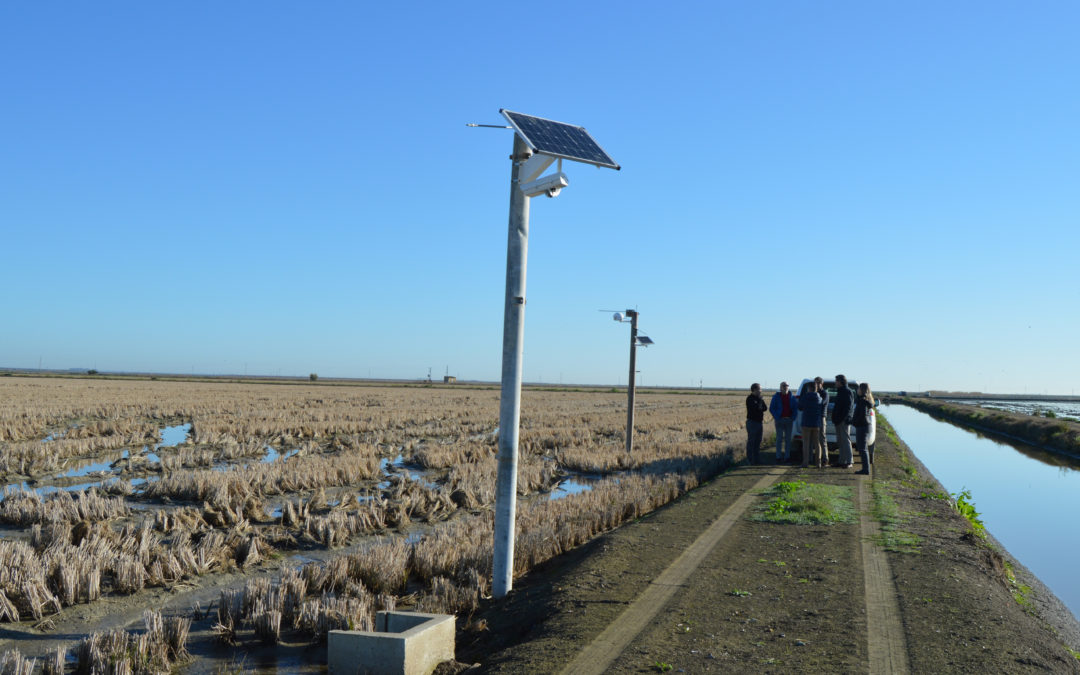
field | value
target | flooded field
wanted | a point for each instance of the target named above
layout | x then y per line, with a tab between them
1064	409
220	519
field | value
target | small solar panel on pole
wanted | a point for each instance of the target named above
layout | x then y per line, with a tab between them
557	139
538	143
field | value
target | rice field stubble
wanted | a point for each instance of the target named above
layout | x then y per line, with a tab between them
335	501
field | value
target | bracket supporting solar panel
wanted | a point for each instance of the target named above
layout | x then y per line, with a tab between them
536	165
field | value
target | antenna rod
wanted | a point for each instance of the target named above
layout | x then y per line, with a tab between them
488	126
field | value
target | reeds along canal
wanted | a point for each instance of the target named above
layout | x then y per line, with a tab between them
1028	498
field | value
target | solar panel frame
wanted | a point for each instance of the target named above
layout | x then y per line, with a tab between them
559	139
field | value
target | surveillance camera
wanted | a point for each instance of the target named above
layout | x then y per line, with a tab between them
617	317
550	185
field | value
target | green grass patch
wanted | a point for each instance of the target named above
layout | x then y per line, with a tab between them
905	459
885	511
802	503
890	433
1021	592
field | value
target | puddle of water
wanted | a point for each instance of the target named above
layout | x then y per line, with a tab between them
272	454
58	434
400	467
12	532
95	467
572	486
173	436
49	489
170	438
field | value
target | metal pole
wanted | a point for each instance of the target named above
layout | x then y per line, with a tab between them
517	246
630	382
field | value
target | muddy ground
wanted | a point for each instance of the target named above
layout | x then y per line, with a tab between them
783	598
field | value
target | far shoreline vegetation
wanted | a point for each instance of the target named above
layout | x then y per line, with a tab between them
458	383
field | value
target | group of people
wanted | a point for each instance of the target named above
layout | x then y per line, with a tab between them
849	409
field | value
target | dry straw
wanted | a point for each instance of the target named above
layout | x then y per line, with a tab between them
208	506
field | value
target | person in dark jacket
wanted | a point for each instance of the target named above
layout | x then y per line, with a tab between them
823	437
783	407
810	405
755	422
842	411
864	408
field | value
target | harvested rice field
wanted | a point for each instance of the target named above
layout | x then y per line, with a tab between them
223	527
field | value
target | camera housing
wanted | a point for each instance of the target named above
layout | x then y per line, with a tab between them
550	185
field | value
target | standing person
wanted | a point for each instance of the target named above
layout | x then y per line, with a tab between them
864	408
843	409
823	437
755	422
810	405
782	407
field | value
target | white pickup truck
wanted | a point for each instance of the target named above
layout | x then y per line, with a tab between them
830	430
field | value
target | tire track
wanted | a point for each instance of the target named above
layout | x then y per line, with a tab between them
885	631
599	654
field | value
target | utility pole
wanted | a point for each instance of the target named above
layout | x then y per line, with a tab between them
517	247
633	315
538	143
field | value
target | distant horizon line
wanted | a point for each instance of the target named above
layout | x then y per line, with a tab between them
93	372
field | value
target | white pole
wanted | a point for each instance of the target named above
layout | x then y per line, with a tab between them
517	247
630	381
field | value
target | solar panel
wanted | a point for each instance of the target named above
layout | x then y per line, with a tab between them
557	139
645	340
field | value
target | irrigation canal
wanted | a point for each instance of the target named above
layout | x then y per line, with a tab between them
1029	499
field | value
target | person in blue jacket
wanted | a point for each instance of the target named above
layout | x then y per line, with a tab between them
810	405
783	407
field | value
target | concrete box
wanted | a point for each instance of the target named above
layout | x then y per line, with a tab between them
403	643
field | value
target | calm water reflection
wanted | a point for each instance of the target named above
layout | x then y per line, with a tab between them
1028	499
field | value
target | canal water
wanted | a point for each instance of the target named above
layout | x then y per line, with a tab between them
1029	499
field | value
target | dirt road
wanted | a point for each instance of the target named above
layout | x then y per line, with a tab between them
700	587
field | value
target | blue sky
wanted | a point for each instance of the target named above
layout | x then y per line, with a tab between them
888	190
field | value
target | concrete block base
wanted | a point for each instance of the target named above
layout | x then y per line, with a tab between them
403	643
